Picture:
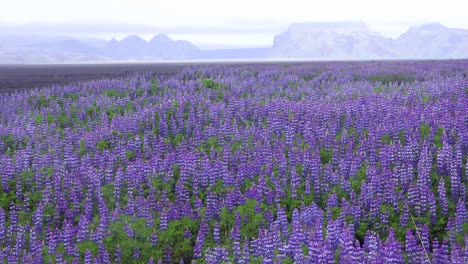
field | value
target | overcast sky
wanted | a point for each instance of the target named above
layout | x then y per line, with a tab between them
218	22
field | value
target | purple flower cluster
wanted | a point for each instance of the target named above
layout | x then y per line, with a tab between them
318	163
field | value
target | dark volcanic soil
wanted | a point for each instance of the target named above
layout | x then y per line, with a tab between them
20	77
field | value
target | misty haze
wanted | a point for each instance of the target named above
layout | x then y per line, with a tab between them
312	40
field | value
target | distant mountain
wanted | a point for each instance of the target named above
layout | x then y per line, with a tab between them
74	46
325	40
64	50
131	47
433	41
165	48
337	40
353	40
160	47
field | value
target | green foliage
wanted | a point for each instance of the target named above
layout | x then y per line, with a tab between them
294	85
63	121
172	237
336	211
226	223
168	186
387	139
130	155
118	110
337	255
82	150
43	102
425	99
378	89
103	145
251	228
177	140
210	144
356	182
424	130
11	145
73	96
108	194
118	237
90	245
154	89
308	77
73	111
220	97
290	203
129	107
219	187
210	84
111	112
325	156
236	145
361	231
139	92
387	79
438	230
401	136
38	119
438	137
114	94
92	111
6	199
365	133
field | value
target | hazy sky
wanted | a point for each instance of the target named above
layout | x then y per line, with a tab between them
218	22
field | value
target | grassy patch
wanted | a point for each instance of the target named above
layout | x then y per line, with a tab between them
325	156
424	130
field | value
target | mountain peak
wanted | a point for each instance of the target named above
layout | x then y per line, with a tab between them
331	40
133	39
431	26
161	38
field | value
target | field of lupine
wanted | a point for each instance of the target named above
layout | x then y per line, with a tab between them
319	163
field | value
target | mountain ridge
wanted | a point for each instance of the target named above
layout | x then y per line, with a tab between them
352	40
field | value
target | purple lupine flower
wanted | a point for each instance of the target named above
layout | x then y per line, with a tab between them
129	230
327	255
372	246
118	255
392	249
456	254
154	239
413	251
216	235
440	253
88	257
443	197
460	216
197	250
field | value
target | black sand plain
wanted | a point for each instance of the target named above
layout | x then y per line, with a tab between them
21	77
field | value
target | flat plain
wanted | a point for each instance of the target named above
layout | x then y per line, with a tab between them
16	77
